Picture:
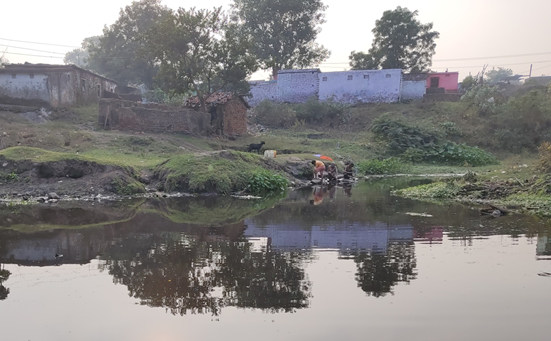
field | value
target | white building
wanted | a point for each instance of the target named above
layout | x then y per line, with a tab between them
361	86
352	87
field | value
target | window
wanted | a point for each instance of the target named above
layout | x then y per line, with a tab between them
366	76
349	77
83	84
324	79
99	90
388	75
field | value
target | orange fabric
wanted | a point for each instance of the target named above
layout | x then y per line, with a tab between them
323	157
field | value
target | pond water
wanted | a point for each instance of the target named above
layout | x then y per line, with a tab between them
322	264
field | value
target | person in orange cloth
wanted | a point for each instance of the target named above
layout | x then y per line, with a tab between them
319	169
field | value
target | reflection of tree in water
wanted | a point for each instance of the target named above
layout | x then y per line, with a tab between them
4	275
265	280
378	273
184	276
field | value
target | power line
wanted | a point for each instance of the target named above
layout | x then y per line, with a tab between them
471	58
24	48
32	55
494	57
33	42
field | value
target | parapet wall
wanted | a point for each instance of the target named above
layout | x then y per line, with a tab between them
153	118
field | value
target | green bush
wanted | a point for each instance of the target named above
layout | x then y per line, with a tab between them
386	166
525	121
273	114
450	153
314	111
263	181
486	98
400	136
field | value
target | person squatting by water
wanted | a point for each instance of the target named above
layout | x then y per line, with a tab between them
319	169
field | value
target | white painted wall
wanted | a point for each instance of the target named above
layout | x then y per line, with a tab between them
261	90
25	87
413	89
360	86
297	86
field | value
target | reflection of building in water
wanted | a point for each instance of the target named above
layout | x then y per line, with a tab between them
79	246
344	237
434	234
543	247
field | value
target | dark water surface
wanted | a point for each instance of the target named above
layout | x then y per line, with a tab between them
344	264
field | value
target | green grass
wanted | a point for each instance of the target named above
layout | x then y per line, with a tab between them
223	172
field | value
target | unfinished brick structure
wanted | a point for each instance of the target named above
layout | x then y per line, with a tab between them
153	118
228	113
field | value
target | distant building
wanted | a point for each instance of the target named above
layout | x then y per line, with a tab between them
354	86
413	86
361	86
541	80
442	82
51	85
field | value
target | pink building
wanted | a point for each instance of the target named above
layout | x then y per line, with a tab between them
447	80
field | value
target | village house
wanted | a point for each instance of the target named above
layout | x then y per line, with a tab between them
413	86
354	86
52	85
443	82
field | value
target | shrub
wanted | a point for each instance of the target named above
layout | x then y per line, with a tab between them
450	153
273	114
401	136
264	181
386	166
486	98
314	111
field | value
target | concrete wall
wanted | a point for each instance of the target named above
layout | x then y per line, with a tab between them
154	118
360	86
297	86
261	91
447	80
413	89
51	85
24	86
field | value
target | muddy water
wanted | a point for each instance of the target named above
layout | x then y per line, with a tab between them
321	264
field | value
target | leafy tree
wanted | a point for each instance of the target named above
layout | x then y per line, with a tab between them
117	55
80	56
201	52
495	76
283	32
468	82
401	42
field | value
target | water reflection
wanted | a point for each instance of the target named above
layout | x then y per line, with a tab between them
201	255
186	275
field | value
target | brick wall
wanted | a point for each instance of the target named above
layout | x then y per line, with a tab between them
234	118
153	118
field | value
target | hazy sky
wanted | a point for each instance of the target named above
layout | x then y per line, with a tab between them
511	34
